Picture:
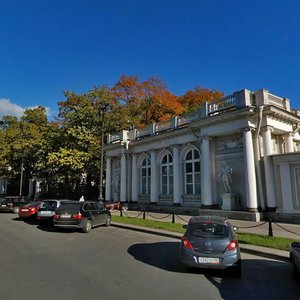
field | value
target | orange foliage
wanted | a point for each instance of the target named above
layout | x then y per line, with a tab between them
193	99
146	102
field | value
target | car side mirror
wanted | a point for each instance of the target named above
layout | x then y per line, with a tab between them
235	228
184	226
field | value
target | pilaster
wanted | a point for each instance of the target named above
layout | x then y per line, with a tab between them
206	173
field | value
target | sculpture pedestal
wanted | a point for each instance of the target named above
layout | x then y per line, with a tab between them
230	202
116	197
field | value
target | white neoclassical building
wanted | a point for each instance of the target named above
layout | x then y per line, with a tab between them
240	153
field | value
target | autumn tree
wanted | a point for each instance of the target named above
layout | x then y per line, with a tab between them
76	161
145	102
192	99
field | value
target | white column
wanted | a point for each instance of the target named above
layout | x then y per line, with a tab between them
123	178
154	187
108	180
289	142
176	178
30	190
206	173
134	179
250	176
269	172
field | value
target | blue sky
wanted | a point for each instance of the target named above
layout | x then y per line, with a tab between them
48	46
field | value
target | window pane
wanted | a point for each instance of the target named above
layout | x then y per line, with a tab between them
189	156
197	166
144	172
196	154
170	158
164	180
189	178
189	189
164	170
164	190
164	160
197	178
188	167
197	189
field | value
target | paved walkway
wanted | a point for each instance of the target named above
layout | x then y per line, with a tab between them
291	231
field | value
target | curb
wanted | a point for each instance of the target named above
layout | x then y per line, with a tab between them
245	248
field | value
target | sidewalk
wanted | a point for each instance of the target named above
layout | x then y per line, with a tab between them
291	231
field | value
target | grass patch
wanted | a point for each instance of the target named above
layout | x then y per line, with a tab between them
173	227
243	237
279	243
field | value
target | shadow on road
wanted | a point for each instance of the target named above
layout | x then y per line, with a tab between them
261	279
163	255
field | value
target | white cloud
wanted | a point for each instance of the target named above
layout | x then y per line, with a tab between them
7	108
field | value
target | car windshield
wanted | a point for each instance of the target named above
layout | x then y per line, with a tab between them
48	205
208	230
71	207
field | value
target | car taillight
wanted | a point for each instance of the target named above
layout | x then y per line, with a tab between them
56	216
186	243
232	245
77	216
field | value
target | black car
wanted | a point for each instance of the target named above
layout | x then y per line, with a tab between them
83	215
12	204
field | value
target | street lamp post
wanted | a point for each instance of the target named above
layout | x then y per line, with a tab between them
102	109
21	179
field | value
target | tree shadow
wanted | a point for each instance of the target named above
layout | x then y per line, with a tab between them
261	278
163	255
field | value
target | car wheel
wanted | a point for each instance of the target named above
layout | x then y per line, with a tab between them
294	268
108	221
16	210
87	226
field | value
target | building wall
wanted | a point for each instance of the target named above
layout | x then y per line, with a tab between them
254	133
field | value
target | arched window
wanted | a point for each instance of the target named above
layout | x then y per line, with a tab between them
166	171
192	172
146	176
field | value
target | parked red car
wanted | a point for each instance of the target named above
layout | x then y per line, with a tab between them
112	205
29	211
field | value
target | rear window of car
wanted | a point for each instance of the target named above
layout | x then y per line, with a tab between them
48	205
71	207
208	230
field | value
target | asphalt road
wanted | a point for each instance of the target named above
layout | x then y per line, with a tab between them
114	263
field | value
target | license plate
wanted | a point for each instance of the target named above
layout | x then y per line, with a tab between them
65	216
3	205
24	209
207	260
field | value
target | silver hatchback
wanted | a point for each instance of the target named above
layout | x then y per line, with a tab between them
210	242
47	209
